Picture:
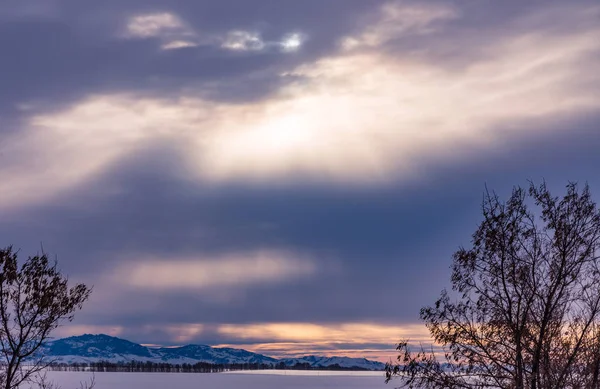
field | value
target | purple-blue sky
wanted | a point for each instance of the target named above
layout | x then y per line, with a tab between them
285	176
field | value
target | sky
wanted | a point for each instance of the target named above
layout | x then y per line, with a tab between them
290	177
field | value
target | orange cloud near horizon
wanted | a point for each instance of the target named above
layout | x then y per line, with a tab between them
283	340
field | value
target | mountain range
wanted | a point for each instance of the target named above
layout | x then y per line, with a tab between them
95	348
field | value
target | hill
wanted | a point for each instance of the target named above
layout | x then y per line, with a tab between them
95	348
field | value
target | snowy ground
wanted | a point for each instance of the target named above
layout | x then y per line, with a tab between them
237	380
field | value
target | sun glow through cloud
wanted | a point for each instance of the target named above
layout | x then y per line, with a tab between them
283	340
339	123
292	42
334	333
351	339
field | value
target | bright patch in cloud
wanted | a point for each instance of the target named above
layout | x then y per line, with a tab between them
155	25
240	40
334	333
370	117
178	45
243	41
229	271
168	28
176	34
72	146
292	42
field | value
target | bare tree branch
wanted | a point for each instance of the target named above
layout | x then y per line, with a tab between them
527	306
35	299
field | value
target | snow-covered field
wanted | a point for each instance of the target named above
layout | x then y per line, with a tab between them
238	380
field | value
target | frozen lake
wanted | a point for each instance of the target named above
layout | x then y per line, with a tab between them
237	380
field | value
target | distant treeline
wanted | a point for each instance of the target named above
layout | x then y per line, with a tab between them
200	367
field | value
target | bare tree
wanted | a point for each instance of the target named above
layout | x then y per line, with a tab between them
524	311
35	298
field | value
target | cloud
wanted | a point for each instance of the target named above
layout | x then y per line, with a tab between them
232	271
177	333
169	28
243	41
346	123
239	40
70	147
398	19
280	340
333	121
350	339
177	34
316	333
292	42
79	329
182	333
178	45
155	25
127	149
380	352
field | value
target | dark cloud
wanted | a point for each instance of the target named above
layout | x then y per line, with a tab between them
393	243
390	243
58	52
49	62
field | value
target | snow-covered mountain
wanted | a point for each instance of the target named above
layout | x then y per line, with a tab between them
346	362
95	348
